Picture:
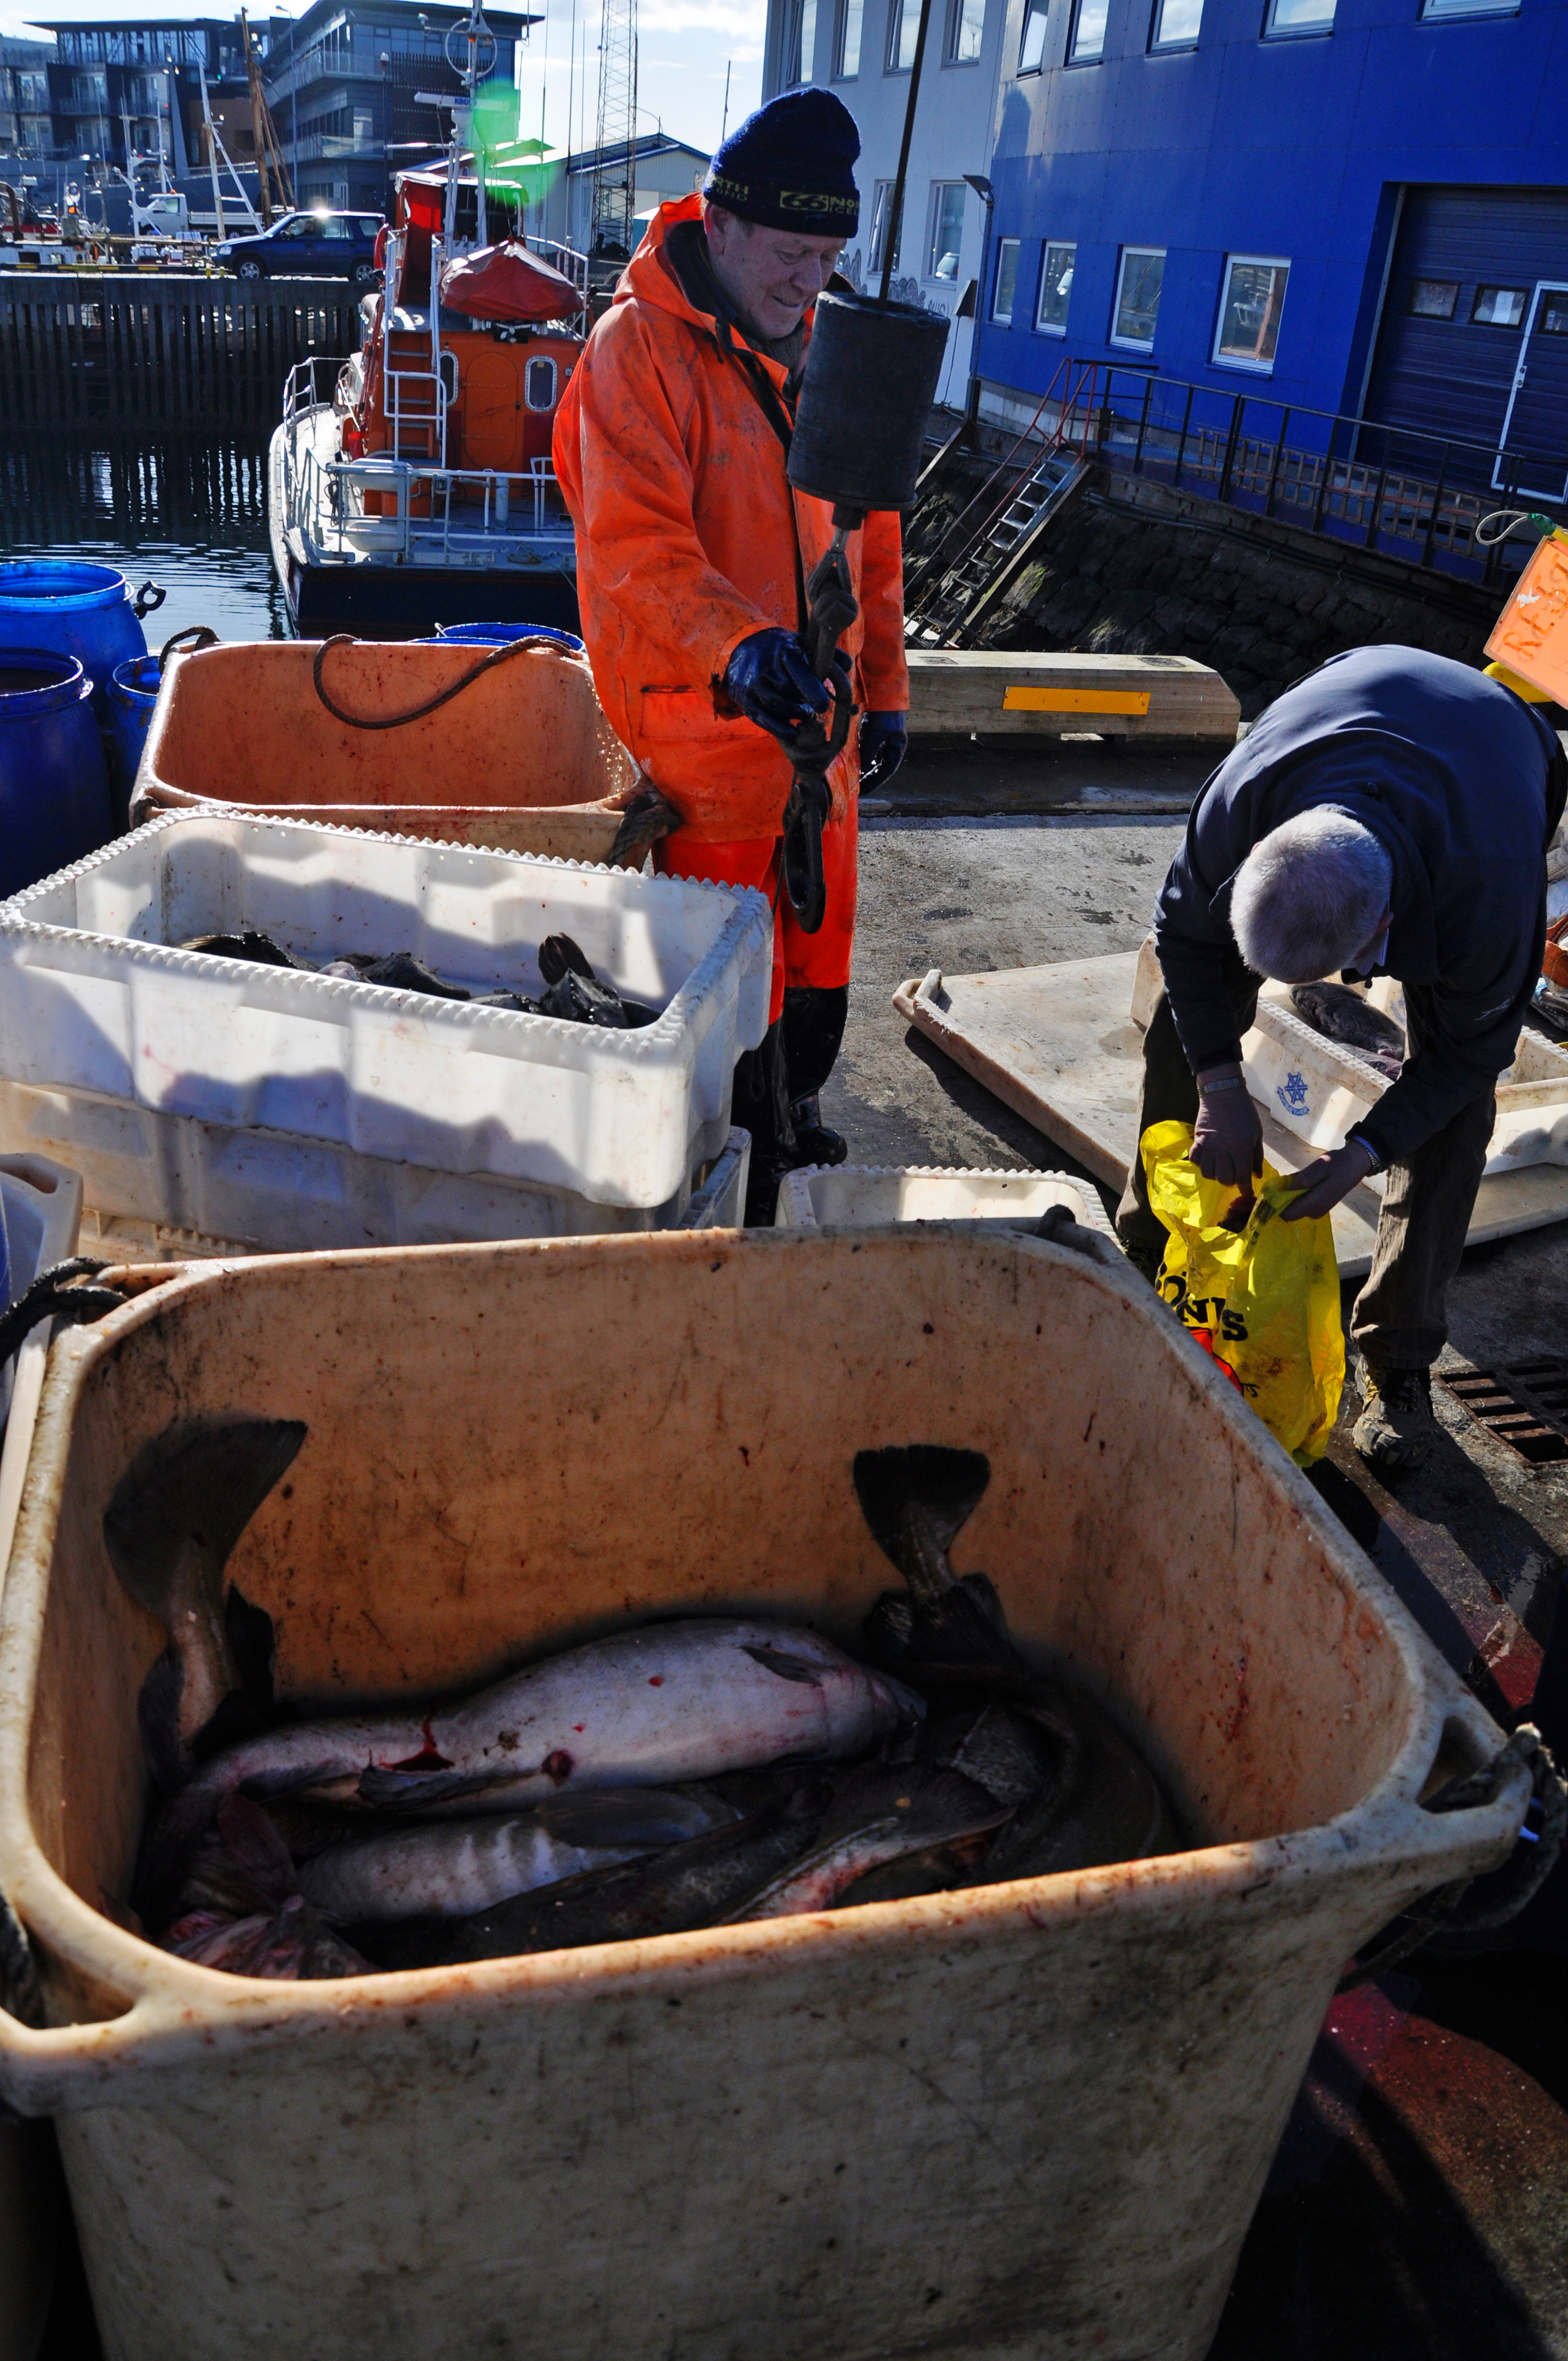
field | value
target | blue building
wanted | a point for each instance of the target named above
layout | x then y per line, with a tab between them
1357	208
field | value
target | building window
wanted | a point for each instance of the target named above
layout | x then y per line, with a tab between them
800	41
1287	17
880	204
847	57
1004	286
32	92
1250	305
1176	24
903	30
946	228
1500	307
1137	296
1055	289
966	27
1553	320
1470	8
1032	46
1433	299
1086	42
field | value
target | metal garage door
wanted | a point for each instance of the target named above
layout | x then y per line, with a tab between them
1473	341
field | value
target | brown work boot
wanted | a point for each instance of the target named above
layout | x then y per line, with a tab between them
1395	1430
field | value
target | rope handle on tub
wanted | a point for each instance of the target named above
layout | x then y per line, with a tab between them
1534	1857
186	643
400	721
54	1295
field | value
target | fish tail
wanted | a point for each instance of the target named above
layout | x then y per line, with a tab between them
197	1483
916	1497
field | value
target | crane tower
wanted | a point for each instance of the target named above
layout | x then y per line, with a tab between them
612	234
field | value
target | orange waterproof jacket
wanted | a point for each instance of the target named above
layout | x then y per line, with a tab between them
686	528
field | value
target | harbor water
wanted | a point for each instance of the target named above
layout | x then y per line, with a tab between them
188	513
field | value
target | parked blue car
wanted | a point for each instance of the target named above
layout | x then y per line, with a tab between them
342	245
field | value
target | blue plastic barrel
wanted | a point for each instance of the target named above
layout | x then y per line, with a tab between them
133	692
85	611
498	635
54	785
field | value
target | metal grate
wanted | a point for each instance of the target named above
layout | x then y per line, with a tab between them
1523	1403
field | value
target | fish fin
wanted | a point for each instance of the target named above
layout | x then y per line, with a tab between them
199	1482
559	955
158	1718
889	1628
646	1816
788	1667
916	1497
408	1790
257	1849
272	1787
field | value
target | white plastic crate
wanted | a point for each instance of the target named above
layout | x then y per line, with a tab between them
861	1196
1319	1089
95	999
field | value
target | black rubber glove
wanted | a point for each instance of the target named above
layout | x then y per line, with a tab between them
884	742
770	678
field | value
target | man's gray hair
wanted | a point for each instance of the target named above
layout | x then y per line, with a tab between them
1310	895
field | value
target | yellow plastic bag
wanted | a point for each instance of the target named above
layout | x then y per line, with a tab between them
1263	1299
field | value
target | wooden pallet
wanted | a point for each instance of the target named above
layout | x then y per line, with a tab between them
955	691
1058	1045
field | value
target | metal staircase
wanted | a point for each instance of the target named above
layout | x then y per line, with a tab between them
416	385
960	587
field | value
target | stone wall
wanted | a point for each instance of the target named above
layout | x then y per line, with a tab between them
1133	568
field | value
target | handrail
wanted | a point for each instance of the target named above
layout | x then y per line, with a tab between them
938	560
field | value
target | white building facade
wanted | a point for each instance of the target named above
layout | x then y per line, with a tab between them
862	51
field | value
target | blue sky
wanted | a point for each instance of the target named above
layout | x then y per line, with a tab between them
683	49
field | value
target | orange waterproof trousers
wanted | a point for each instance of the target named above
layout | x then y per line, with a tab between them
821	960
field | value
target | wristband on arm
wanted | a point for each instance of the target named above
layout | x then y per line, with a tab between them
1359	1139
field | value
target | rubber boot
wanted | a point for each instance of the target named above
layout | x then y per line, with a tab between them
760	1105
813	1033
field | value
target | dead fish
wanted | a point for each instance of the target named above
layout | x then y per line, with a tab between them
289	1945
878	1814
580	996
670	1701
248	943
401	972
1341	1015
1099	1802
242	1910
455	1868
1013	1757
688	1886
169	1528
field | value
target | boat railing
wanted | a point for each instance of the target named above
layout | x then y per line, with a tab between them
565	259
399	511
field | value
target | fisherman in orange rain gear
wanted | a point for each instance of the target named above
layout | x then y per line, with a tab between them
693	552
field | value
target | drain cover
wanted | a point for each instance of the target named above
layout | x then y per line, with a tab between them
1524	1403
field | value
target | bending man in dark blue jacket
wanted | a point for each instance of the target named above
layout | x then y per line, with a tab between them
1387	816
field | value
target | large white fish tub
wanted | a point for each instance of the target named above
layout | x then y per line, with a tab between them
1027	2119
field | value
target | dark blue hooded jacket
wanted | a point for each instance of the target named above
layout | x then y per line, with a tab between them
1455	776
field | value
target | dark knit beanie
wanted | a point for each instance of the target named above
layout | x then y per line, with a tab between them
791	166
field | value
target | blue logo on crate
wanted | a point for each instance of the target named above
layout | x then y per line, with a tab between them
1293	1098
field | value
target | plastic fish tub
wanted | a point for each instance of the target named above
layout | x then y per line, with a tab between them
858	1196
1031	2118
1319	1088
95	1002
274	1192
522	760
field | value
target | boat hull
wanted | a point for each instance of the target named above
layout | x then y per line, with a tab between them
404	602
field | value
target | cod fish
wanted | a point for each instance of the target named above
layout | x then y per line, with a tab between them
576	992
450	1869
1341	1015
1097	1801
878	1815
250	944
688	1886
170	1527
667	1702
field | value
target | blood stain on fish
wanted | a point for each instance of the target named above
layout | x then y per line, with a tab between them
429	1758
557	1767
655	1680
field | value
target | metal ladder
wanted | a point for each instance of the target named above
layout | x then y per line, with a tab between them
416	399
948	600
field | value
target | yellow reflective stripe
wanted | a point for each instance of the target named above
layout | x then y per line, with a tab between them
1076	700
